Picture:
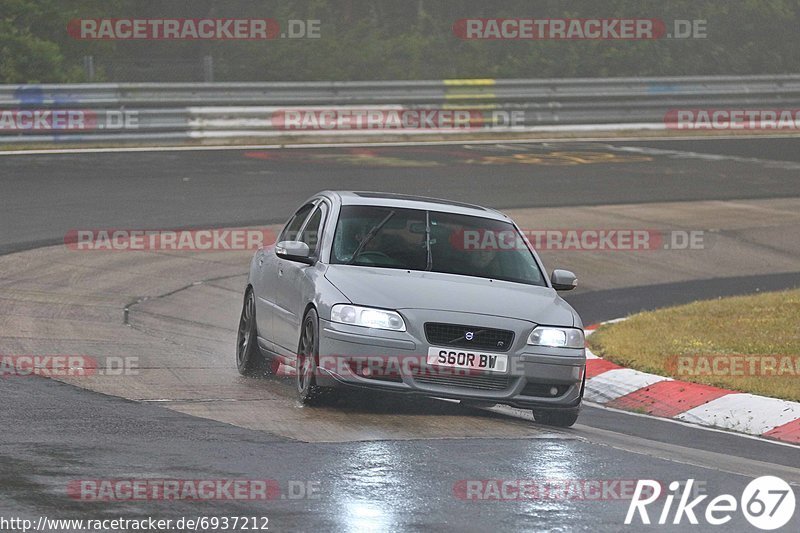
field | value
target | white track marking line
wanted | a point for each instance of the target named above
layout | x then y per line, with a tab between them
368	144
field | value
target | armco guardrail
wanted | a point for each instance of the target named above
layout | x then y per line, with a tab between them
153	111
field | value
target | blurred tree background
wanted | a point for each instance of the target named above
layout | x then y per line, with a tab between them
390	39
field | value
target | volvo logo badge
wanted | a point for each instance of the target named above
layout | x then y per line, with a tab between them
469	335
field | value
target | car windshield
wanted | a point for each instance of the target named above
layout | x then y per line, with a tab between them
412	239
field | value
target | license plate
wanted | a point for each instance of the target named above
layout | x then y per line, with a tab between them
458	358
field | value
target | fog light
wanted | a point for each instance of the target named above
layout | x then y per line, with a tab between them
553	391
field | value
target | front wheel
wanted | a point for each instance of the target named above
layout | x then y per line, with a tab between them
308	350
556	417
248	355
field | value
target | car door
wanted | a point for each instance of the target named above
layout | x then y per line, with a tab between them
266	280
293	283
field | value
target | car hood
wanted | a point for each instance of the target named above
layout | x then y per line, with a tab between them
403	289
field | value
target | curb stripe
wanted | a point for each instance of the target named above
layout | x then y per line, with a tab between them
595	367
788	432
623	388
618	382
746	413
668	398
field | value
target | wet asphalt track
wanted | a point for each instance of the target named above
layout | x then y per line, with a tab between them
44	195
54	433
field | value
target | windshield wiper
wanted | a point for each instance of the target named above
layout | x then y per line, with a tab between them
429	261
368	237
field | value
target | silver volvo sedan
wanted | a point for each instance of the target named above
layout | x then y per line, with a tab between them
413	294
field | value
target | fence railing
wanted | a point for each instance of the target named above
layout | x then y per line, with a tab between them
153	111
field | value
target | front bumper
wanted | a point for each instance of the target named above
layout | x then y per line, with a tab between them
396	361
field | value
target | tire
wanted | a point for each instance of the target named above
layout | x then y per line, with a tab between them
308	392
248	355
556	417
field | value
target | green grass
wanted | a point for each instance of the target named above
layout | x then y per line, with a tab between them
764	325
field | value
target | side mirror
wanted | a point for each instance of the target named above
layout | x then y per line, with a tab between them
294	251
563	280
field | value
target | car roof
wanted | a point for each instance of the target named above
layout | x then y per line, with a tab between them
408	201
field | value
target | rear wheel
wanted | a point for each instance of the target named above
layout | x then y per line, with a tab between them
556	417
248	355
308	350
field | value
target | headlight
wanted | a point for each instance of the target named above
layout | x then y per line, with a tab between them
557	337
367	316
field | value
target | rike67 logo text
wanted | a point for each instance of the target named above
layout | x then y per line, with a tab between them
767	502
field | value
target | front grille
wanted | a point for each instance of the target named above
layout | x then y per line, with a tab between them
497	340
472	381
